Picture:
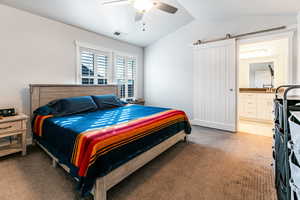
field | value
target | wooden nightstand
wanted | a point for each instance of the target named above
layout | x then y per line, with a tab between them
138	101
14	126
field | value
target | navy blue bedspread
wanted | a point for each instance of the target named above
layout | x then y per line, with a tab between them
59	134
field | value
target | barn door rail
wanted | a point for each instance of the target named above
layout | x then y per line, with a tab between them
229	36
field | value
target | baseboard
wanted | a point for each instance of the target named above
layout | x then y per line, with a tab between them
221	126
256	120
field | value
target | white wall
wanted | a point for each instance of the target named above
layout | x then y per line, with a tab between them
298	49
36	50
169	62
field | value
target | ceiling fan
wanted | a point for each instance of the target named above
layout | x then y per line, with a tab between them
143	6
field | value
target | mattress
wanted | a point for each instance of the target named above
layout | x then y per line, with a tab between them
94	143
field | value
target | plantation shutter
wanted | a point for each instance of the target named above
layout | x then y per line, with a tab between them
121	75
94	66
102	69
87	67
131	75
125	75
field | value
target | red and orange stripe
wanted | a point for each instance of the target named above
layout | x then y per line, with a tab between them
38	124
92	144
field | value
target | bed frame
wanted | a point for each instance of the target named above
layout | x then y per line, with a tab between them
42	94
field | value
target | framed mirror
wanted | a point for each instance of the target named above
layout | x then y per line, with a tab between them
261	75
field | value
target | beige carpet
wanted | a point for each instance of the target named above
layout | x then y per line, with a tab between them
215	167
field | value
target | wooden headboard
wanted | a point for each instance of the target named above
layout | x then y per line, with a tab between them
42	94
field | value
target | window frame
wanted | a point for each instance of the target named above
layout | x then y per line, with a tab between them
127	57
96	54
111	65
94	49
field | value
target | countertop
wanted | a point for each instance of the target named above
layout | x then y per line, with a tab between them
257	90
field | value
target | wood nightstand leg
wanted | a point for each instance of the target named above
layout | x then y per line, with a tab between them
24	151
54	163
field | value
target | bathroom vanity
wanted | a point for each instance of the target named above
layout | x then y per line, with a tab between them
256	104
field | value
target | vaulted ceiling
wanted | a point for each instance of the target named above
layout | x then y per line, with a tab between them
105	20
230	9
93	16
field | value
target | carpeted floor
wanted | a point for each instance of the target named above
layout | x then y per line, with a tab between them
214	166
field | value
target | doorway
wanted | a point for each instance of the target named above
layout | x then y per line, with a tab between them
263	65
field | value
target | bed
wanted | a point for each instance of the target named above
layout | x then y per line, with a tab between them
101	147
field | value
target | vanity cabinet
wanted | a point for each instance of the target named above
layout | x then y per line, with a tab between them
256	106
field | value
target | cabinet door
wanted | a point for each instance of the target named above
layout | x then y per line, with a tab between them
264	106
242	103
269	107
248	105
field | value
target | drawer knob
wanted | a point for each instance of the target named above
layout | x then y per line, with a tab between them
3	128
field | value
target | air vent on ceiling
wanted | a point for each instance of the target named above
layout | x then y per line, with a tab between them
117	33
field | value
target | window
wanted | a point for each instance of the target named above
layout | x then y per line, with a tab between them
94	67
100	67
125	75
120	75
131	74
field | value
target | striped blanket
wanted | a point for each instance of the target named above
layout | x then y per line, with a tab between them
91	144
93	135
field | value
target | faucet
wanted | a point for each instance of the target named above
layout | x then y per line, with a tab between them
272	75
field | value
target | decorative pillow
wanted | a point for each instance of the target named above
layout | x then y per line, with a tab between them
108	101
74	105
44	110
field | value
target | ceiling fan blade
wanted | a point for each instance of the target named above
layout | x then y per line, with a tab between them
138	16
165	7
115	2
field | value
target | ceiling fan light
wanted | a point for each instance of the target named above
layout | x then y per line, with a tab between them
143	5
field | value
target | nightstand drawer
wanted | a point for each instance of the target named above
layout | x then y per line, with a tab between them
10	126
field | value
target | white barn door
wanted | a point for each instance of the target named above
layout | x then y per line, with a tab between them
215	85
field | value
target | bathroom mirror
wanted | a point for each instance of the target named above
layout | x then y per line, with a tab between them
261	75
